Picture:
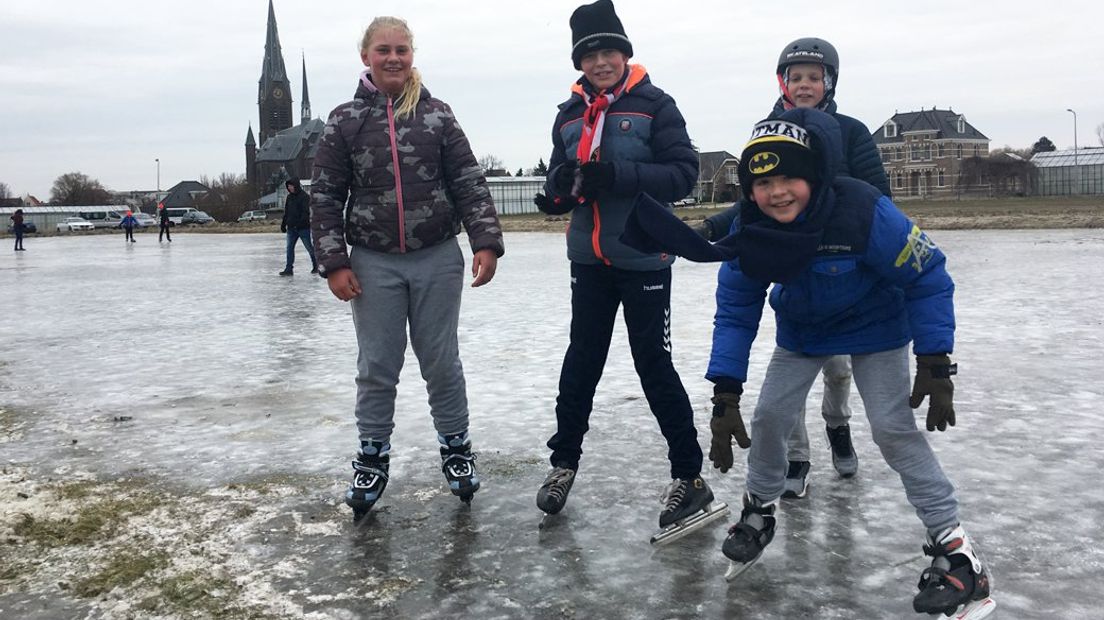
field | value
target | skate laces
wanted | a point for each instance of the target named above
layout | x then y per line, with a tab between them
675	492
558	482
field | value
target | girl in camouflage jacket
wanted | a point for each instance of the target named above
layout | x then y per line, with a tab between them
394	177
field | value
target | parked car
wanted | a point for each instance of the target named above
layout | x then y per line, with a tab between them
72	224
196	217
686	202
28	227
250	216
145	220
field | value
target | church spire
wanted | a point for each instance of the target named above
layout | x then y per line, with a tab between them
306	111
274	88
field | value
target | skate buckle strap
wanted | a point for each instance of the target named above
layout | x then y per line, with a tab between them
368	469
941	577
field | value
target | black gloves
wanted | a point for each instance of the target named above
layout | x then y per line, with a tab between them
564	181
726	423
704	228
283	228
553	206
933	380
597	178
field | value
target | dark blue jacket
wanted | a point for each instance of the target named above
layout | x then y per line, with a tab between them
875	283
860	161
645	139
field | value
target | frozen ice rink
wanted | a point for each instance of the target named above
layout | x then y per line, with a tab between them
229	374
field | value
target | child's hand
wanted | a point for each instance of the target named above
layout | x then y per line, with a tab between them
343	284
483	266
597	178
933	380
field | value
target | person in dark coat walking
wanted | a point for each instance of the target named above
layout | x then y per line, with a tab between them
296	225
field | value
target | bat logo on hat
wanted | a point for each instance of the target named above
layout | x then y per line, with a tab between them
763	162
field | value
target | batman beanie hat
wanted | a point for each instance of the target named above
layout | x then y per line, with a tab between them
776	148
596	27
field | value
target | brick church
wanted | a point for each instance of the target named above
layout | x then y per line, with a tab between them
284	150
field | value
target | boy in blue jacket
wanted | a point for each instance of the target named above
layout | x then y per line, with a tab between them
616	136
808	74
852	276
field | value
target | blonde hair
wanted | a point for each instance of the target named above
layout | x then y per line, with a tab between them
412	90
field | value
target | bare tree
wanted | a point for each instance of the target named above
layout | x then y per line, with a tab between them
490	162
1100	133
230	196
77	188
5	192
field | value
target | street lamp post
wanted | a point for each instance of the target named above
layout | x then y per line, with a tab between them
1076	169
158	160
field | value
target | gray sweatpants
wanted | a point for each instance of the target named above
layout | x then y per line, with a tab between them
421	289
883	381
833	407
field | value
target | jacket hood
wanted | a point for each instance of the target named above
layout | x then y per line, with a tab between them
366	89
294	182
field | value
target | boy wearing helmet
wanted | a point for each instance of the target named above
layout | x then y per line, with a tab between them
808	72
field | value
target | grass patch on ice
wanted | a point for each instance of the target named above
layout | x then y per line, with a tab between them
197	592
501	465
89	523
122	569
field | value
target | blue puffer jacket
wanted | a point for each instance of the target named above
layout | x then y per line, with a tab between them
645	139
860	161
875	283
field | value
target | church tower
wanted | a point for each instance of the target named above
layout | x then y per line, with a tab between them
274	88
305	114
250	159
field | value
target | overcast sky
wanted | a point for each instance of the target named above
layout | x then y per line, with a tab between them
105	87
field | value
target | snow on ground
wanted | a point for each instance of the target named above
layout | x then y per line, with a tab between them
176	426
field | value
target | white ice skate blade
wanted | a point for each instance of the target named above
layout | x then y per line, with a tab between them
690	524
977	610
735	569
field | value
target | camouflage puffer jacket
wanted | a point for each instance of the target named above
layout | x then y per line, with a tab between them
358	197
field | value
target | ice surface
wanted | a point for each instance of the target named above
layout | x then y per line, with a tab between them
230	373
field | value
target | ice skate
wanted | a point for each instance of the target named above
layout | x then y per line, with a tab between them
796	485
750	536
688	507
844	458
458	463
553	493
369	477
956	583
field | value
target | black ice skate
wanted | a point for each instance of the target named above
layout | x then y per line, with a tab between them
688	507
796	484
747	539
458	463
956	583
553	493
369	477
844	458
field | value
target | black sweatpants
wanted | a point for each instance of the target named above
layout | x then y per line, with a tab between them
596	293
164	232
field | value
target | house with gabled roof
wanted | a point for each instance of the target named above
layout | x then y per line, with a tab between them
923	153
717	179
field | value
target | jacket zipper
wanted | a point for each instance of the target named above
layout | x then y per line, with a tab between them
595	237
398	177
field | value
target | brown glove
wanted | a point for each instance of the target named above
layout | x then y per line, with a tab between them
933	380
726	424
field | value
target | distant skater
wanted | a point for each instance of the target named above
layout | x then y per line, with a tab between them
17	228
163	217
127	224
